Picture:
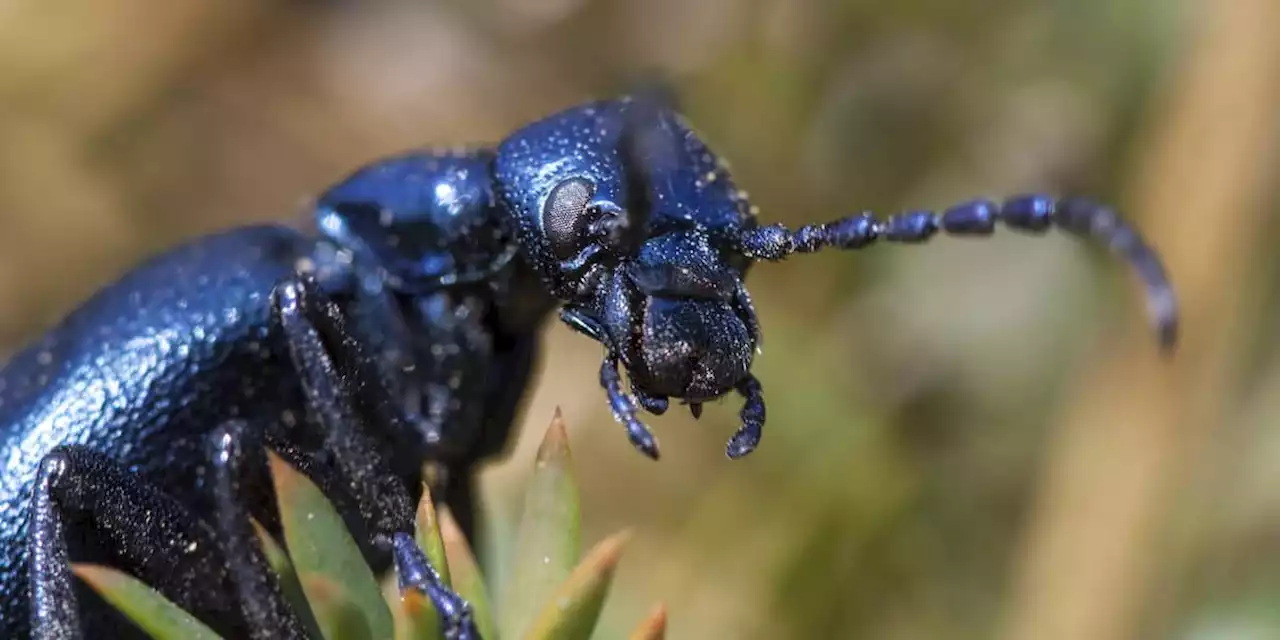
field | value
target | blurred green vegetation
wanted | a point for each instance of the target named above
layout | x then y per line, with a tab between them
965	440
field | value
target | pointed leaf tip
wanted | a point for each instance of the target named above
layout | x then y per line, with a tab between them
428	534
555	443
653	627
548	535
144	606
574	609
606	554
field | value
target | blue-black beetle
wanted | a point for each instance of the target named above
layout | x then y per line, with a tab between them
401	325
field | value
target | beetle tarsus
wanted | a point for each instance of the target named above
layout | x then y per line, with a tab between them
747	438
414	571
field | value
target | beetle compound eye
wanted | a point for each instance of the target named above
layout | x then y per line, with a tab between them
565	218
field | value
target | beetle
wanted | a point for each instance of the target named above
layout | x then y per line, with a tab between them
401	324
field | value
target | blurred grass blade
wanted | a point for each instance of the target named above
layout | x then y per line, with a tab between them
340	617
548	536
427	533
287	577
161	619
467	579
320	546
653	627
572	612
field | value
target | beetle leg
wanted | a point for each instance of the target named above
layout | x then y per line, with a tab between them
153	537
414	571
301	311
622	404
657	405
624	408
584	324
234	451
343	392
1030	213
747	309
747	437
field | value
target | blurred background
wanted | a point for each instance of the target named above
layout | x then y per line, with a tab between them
965	440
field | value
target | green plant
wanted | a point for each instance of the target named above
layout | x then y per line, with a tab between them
554	592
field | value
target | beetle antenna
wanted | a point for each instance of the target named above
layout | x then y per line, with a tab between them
1027	213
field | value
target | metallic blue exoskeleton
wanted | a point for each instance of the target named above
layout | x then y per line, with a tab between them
400	326
381	336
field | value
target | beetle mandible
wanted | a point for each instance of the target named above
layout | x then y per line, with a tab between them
400	325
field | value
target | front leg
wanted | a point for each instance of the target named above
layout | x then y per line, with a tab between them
747	438
621	404
624	408
344	394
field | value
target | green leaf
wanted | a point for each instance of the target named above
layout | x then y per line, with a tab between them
340	617
467	579
573	611
321	547
548	536
654	627
160	618
287	577
428	534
